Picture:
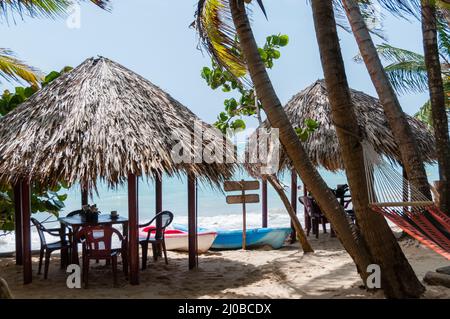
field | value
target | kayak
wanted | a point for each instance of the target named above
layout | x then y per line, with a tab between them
232	239
256	237
177	239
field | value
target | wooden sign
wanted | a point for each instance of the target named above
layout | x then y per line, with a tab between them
241	199
230	186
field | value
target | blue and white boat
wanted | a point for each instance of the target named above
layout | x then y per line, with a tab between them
255	237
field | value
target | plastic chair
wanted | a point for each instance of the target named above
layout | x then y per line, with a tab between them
315	216
47	248
97	245
163	220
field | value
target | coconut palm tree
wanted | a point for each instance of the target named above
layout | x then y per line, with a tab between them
241	57
380	241
430	18
408	71
411	159
12	68
376	234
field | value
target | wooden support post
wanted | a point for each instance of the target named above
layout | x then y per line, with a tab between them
84	195
158	195
405	191
265	215
305	213
192	222
133	228
244	219
294	196
26	232
18	221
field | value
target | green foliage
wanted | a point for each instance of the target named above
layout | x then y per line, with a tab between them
9	101
270	51
43	199
304	132
244	103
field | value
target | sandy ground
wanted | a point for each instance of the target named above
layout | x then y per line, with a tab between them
262	273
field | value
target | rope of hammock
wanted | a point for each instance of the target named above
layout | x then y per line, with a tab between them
387	186
404	205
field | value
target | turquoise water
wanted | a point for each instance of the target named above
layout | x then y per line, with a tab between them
213	211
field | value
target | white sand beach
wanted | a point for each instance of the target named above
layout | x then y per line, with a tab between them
262	273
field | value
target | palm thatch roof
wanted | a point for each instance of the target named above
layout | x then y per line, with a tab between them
322	145
100	120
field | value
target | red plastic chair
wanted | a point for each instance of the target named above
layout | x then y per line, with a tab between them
97	245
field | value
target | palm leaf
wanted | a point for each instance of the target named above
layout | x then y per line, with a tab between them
408	77
40	8
374	22
424	113
443	35
12	68
402	8
406	70
218	36
215	26
261	5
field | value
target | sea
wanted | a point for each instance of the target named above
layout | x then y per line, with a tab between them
212	209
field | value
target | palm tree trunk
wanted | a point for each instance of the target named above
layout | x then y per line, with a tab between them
273	180
437	101
397	277
290	141
411	159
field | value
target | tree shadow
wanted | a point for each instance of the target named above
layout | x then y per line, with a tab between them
175	280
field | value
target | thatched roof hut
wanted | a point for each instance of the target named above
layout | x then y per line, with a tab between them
100	120
322	146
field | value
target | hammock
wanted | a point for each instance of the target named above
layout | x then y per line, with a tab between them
400	202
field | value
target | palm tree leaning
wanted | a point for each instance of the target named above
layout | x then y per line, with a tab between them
295	151
401	130
437	99
222	46
397	276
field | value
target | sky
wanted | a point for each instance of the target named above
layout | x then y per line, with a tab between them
153	38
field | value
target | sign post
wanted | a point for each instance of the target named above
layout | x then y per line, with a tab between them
243	199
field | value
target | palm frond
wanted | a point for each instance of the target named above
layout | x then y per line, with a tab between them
40	8
443	35
402	8
396	55
218	36
406	70
12	68
424	114
374	20
408	77
261	6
